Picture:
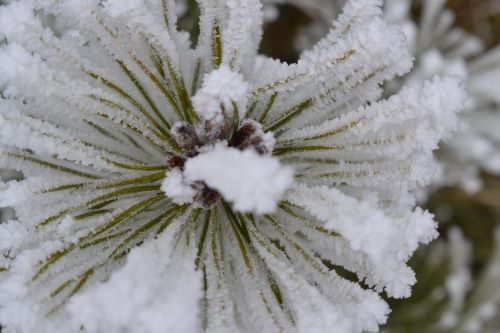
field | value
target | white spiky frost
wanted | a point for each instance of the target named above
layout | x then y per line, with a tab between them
442	48
144	295
158	192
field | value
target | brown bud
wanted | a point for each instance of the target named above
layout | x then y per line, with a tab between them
176	162
209	197
186	137
244	133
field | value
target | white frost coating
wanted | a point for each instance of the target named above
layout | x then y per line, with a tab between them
441	47
24	132
86	115
372	232
146	295
361	223
253	183
12	235
176	187
12	16
221	88
117	8
16	61
239	40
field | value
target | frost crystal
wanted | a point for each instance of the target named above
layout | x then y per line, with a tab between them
442	48
180	189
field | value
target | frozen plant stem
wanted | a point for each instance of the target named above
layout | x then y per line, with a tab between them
179	189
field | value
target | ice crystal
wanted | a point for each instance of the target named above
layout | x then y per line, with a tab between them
180	189
440	47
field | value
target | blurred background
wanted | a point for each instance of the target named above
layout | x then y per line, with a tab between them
480	17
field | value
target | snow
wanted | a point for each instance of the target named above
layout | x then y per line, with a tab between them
176	188
329	101
146	295
221	88
251	182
